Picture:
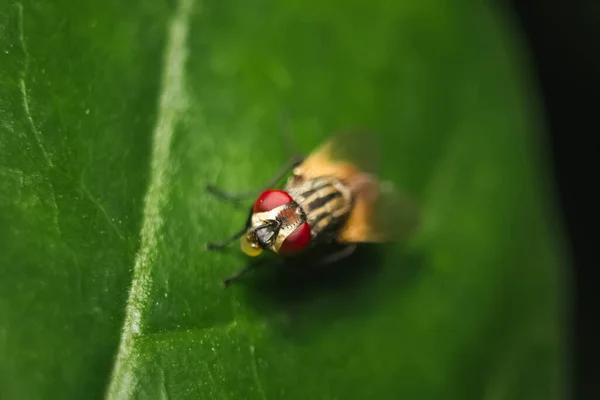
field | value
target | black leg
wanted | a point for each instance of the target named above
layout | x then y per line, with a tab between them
237	235
236	276
337	256
290	165
220	245
287	136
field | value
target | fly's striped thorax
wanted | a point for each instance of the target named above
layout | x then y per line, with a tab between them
326	201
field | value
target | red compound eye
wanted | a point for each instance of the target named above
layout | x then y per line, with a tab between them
270	199
297	240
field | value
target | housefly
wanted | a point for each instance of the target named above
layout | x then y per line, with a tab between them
333	197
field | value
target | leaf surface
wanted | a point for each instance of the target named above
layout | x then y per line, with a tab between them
114	118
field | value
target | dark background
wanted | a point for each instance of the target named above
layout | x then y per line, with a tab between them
564	38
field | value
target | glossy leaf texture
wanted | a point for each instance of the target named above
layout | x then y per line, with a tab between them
115	116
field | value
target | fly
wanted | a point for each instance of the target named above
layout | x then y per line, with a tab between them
332	196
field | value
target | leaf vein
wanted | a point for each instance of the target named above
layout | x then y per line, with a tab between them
102	210
23	87
255	372
173	101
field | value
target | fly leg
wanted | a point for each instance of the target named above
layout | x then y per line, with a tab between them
224	243
290	146
285	169
337	256
237	275
237	235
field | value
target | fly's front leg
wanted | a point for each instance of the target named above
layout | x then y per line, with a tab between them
284	170
288	140
224	243
236	276
237	235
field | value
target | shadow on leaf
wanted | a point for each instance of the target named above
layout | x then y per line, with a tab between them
298	296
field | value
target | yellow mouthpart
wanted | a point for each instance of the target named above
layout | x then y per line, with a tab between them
249	247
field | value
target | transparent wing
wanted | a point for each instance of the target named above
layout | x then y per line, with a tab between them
343	156
381	213
361	148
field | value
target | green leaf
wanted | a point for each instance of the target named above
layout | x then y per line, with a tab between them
113	119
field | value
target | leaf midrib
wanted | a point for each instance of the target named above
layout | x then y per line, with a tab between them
172	102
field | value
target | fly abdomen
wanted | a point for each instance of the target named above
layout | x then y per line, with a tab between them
326	201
